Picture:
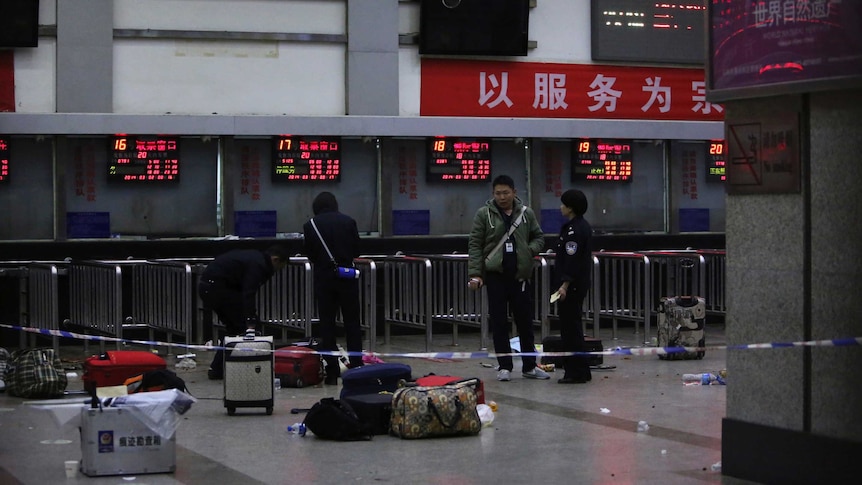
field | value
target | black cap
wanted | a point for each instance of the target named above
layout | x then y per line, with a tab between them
575	200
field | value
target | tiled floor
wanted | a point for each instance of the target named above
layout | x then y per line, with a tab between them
543	432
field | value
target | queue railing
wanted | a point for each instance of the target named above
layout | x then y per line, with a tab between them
407	299
155	295
547	311
452	302
715	279
624	291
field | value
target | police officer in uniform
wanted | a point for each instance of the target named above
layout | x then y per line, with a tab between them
332	291
573	266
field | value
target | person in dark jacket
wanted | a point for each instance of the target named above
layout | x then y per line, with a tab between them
573	269
229	285
503	242
338	232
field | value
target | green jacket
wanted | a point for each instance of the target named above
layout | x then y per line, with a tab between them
488	229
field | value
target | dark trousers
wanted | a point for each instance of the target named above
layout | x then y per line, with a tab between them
504	294
227	304
335	293
572	333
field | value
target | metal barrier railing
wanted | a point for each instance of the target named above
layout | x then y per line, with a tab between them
676	273
286	300
715	280
549	310
159	297
451	301
43	305
624	293
368	299
96	298
16	272
407	295
108	296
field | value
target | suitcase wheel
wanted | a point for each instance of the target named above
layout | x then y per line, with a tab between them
231	411
269	411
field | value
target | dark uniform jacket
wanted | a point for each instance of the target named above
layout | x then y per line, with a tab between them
243	271
574	260
341	236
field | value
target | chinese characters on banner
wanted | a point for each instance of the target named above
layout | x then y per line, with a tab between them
84	166
553	172
407	184
689	174
249	181
531	90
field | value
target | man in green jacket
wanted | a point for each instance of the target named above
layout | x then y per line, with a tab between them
504	239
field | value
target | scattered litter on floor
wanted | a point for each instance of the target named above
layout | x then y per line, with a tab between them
605	411
643	427
664	452
716	467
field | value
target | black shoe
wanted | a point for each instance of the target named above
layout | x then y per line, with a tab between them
214	375
571	380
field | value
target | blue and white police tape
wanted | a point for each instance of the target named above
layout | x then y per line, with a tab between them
840	342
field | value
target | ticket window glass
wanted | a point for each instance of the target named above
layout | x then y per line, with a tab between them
105	193
26	188
629	199
436	201
281	197
697	186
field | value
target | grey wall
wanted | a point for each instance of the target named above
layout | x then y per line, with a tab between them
372	57
27	196
85	37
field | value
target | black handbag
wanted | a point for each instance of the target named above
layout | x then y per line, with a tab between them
333	419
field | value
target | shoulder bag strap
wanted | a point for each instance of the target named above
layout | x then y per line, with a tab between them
517	222
323	242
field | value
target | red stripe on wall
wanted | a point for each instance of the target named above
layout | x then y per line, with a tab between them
548	90
7	81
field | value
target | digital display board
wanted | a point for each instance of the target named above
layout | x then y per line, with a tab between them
4	159
143	158
474	27
306	158
715	161
641	31
602	160
459	159
766	48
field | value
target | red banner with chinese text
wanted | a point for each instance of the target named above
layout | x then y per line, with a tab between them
7	81
544	90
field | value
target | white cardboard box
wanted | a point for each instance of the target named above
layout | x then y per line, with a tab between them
115	442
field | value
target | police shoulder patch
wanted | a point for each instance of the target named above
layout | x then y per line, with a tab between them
571	247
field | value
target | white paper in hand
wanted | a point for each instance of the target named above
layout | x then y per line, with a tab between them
555	296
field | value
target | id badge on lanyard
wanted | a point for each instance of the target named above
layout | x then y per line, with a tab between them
510	246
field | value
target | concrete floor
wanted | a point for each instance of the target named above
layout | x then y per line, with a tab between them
543	432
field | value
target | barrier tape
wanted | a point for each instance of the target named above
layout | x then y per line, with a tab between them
638	351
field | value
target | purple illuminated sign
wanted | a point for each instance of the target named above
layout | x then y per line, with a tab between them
764	43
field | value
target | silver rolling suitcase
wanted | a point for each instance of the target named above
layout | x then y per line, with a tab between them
681	324
248	373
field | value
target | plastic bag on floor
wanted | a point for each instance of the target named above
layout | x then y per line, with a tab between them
486	414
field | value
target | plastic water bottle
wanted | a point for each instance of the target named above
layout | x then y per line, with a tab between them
705	379
297	428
